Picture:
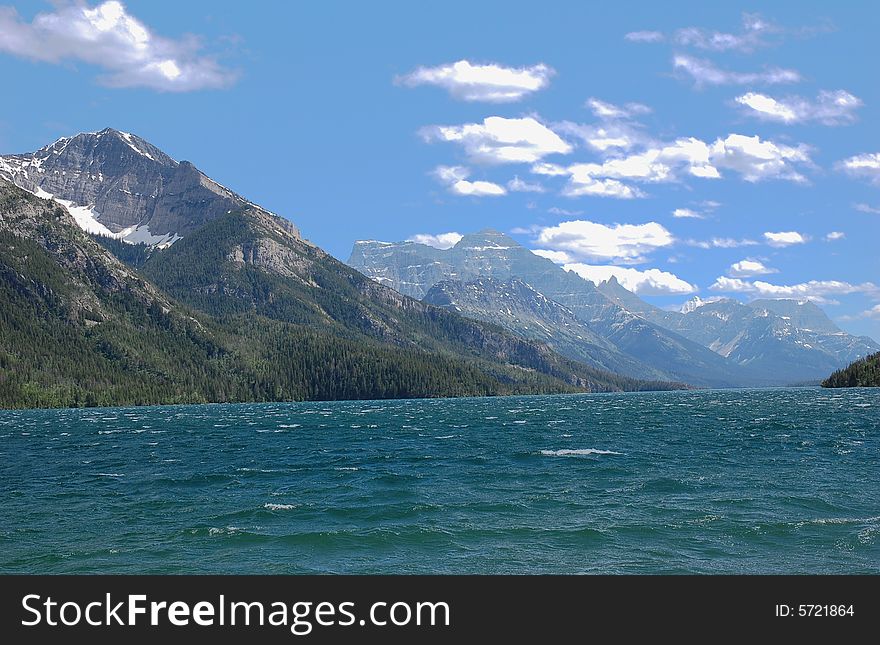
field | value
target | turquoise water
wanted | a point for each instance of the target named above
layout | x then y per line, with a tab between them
765	481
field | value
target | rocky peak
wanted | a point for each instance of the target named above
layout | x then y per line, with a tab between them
487	239
116	183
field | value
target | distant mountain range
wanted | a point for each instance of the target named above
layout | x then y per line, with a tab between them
722	343
127	277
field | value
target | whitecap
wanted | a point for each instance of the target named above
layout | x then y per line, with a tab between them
565	452
279	507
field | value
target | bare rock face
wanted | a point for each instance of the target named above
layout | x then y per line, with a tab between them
649	351
121	185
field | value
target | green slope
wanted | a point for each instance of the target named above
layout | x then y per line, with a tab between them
79	327
864	372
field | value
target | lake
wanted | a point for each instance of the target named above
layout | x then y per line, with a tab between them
736	481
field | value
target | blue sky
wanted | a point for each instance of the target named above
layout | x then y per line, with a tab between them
754	123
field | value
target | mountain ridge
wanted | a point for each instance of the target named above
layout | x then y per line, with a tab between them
721	342
240	308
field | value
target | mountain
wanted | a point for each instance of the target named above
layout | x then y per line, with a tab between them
119	185
790	341
516	306
652	350
238	308
864	372
81	328
251	263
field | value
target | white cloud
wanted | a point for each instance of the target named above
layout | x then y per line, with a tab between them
555	210
559	257
867	208
651	282
108	37
720	243
866	166
828	108
749	269
753	35
816	290
501	140
873	312
492	82
784	238
518	185
835	235
615	131
455	178
686	213
439	241
549	169
645	36
705	72
605	110
755	159
600	188
620	243
605	136
750	157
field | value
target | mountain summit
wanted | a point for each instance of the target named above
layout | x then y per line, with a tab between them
119	185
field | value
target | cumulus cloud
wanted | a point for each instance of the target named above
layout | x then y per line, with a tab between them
616	128
755	159
705	72
606	136
517	185
829	108
686	213
439	241
491	82
749	269
618	243
109	37
651	282
865	166
835	235
559	257
456	180
501	140
784	238
816	290
752	158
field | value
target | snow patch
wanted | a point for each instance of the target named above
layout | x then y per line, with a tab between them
126	136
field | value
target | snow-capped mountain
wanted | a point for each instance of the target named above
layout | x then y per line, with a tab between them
413	269
116	184
789	340
518	307
716	341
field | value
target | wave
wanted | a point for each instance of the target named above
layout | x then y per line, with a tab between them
578	452
279	507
